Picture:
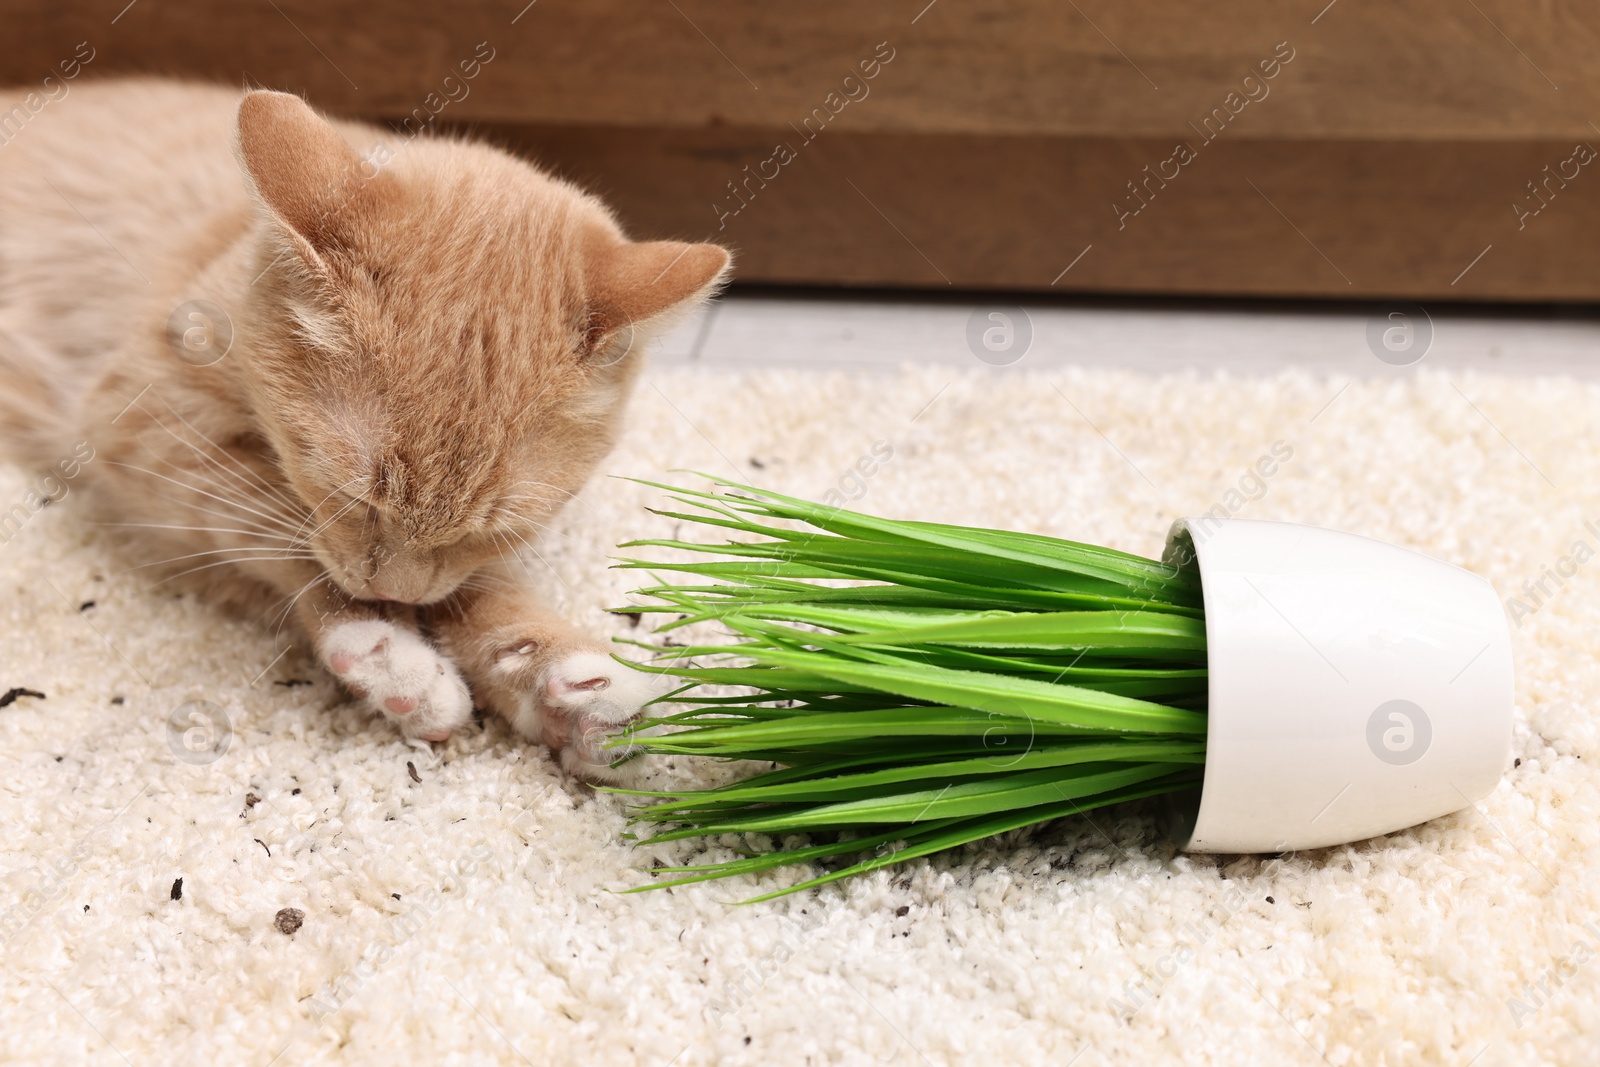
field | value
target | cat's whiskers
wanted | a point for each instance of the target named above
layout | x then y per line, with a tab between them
269	519
271	489
208	566
541	559
312	513
230	489
546	485
321	576
271	501
479	582
501	544
568	493
237	492
204	477
257	527
239	555
335	517
517	516
199	529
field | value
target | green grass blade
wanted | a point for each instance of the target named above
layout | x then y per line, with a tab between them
985	797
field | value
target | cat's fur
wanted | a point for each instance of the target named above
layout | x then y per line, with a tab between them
431	346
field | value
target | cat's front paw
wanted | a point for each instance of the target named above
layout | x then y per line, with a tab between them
400	675
576	704
594	697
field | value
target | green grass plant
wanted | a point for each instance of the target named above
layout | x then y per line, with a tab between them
912	686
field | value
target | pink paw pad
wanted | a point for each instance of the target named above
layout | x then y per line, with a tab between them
436	735
401	705
341	662
558	687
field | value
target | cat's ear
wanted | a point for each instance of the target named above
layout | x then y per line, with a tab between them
302	170
631	282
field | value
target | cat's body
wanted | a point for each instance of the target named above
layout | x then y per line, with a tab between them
335	376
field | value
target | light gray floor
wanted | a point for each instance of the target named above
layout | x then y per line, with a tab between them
880	333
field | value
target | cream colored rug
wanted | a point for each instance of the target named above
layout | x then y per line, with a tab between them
455	905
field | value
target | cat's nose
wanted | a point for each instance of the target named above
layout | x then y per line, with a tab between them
401	584
382	592
386	591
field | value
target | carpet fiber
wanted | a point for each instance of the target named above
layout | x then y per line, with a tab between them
321	892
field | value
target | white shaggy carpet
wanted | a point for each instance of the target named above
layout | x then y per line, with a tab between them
463	915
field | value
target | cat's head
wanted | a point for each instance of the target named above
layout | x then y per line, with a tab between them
441	342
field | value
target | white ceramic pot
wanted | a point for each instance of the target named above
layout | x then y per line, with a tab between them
1356	688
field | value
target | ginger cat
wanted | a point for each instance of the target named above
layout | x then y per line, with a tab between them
335	380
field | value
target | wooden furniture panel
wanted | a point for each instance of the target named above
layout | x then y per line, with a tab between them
1383	157
1258	218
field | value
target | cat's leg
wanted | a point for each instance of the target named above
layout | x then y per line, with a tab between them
381	657
552	682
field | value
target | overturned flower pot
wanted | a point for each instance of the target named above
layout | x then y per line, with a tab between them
1356	688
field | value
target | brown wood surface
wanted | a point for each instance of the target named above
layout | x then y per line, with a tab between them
1259	218
1384	159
